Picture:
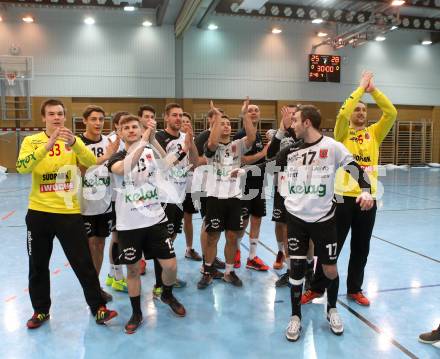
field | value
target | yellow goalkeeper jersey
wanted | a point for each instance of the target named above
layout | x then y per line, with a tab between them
363	144
55	181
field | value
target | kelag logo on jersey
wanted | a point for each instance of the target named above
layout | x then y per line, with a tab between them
96	181
320	190
176	172
142	195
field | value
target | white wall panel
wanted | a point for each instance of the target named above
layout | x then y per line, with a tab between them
111	58
244	58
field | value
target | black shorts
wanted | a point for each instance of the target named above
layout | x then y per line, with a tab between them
323	235
203	201
257	205
279	209
175	217
188	204
153	242
113	216
223	214
99	225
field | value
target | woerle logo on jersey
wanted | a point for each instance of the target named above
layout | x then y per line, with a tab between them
129	254
215	223
293	244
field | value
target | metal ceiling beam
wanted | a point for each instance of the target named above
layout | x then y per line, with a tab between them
308	13
84	4
186	16
421	4
207	13
160	12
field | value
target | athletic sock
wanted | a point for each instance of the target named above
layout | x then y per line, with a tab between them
332	293
167	291
158	273
229	268
118	271
136	305
310	264
253	242
280	247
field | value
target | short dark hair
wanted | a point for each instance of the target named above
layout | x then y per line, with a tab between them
128	118
117	117
226	116
294	106
186	114
146	108
92	108
51	102
311	113
169	106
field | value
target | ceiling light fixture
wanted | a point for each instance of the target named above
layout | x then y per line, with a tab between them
322	34
317	21
397	2
394	27
129	8
212	27
28	19
89	21
147	23
380	38
276	30
426	42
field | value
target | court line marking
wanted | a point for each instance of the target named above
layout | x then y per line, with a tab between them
378	330
408	209
411	195
407	249
9	214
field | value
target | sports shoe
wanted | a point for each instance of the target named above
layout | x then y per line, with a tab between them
308	279
237	259
103	315
120	285
283	281
143	266
205	281
335	321
193	255
256	264
293	330
106	296
279	261
359	298
216	274
309	295
134	323
37	320
430	337
157	292
219	264
233	279
109	280
174	304
179	284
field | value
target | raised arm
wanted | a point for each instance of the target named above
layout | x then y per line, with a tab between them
389	115
216	130
250	129
343	118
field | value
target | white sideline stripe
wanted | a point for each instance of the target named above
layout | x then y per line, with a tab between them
295	281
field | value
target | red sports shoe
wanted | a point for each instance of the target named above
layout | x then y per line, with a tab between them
143	266
359	298
309	295
237	259
279	261
256	264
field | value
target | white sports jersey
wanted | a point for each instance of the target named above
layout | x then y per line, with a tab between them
177	175
226	158
96	183
307	182
137	199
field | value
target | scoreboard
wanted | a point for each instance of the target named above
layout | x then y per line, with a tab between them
324	68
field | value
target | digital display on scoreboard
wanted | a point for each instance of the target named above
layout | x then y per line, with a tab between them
324	68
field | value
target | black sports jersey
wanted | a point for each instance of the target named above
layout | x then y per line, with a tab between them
201	140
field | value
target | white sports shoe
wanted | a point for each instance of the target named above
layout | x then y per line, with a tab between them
335	321
293	330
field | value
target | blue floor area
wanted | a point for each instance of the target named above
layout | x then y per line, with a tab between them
402	280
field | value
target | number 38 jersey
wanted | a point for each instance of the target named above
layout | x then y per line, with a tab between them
96	183
138	202
307	182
